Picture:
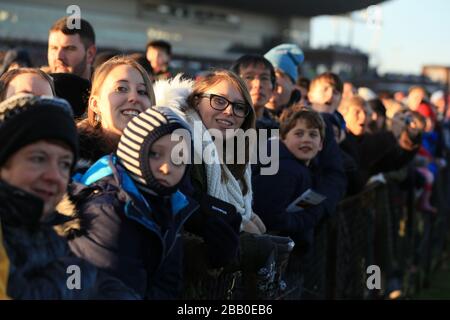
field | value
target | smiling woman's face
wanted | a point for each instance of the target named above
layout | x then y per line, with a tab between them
225	119
122	96
42	169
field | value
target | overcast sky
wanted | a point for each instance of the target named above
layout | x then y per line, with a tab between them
412	33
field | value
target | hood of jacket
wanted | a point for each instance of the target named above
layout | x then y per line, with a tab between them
173	93
93	144
136	204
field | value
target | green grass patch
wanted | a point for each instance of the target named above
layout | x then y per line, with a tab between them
439	287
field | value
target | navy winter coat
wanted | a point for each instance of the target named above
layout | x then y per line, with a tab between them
333	180
39	258
272	194
376	152
136	239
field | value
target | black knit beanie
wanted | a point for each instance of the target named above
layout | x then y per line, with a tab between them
134	146
25	119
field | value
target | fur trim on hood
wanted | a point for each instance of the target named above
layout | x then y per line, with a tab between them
93	143
67	208
173	93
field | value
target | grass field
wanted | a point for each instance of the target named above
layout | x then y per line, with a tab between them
439	288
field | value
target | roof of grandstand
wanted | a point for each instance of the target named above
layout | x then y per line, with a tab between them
291	7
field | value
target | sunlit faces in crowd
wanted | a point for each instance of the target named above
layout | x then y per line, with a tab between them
355	112
259	82
303	132
158	58
42	169
121	90
29	83
25	80
415	97
164	169
323	94
282	92
222	106
67	53
304	95
348	90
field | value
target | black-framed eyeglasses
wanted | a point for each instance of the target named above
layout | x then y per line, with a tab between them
219	103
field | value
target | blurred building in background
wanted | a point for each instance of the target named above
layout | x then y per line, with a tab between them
204	33
438	73
348	62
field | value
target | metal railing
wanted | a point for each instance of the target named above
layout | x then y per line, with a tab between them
380	226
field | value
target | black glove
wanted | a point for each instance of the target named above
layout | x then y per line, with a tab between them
220	230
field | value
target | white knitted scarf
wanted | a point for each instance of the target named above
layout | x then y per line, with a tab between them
173	94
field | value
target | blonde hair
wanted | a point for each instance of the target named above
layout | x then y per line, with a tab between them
356	100
102	72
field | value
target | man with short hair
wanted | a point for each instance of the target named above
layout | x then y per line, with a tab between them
332	183
285	58
71	49
325	92
159	53
259	76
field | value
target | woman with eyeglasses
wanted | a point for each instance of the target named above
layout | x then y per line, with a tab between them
215	107
222	102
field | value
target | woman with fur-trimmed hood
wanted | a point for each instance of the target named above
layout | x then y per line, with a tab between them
216	107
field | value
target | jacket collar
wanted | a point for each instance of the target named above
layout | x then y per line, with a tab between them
20	208
286	154
108	166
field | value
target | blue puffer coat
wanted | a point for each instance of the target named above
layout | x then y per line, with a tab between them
136	239
39	259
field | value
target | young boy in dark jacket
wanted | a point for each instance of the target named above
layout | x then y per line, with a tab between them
131	210
301	138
